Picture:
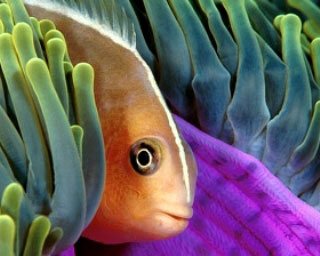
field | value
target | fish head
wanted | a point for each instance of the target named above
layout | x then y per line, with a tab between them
151	171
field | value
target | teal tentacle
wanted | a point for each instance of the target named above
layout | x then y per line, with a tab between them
56	50
175	68
315	88
226	47
52	240
269	9
297	104
306	152
275	77
142	45
211	81
312	196
3	101
249	119
305	183
13	147
263	26
5	163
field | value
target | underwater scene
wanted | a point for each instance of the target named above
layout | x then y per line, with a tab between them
159	127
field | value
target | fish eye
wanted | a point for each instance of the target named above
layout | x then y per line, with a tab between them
145	156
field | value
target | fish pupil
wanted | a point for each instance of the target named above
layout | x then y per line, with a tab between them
144	158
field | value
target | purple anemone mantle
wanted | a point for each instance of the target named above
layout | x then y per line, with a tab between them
240	209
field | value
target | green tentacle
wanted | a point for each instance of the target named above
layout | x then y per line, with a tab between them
57	34
7	235
77	132
37	235
10	205
66	163
6	17
56	49
46	26
93	146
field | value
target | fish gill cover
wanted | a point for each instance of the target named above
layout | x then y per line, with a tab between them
47	116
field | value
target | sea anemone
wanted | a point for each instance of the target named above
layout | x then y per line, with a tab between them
42	137
245	72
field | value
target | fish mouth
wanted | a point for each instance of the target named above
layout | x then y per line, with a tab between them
173	222
185	215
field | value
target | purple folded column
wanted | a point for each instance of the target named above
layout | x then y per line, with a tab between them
240	209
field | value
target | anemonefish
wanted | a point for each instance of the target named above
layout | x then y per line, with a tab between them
151	172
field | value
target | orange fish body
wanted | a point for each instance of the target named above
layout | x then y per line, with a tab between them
151	172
